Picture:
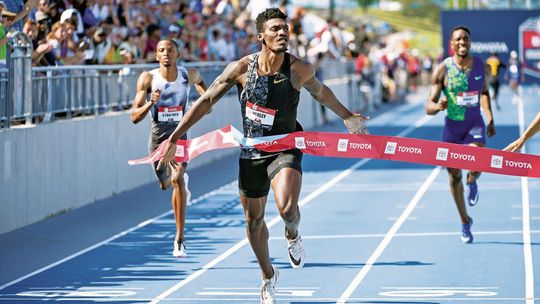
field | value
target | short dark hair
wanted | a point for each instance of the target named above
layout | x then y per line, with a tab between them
269	13
460	27
171	41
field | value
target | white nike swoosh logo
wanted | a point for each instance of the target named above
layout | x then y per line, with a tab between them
278	81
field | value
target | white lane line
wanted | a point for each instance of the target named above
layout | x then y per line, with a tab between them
519	218
411	234
276	219
450	300
388	237
109	240
527	248
149	221
244	242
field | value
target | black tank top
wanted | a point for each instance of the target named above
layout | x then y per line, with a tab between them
274	92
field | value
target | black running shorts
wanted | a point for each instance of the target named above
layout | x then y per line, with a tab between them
157	136
255	174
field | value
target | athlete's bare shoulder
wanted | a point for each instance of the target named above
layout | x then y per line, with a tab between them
236	69
439	74
145	81
299	65
301	71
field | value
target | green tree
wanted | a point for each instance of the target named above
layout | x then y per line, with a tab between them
421	8
364	4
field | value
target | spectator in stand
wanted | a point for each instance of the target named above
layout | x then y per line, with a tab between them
54	12
101	49
360	39
102	10
43	7
129	49
413	69
40	49
43	23
57	41
173	33
319	75
154	36
88	18
224	8
5	25
297	42
75	55
74	16
427	68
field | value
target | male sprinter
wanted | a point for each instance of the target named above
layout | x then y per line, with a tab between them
270	82
462	78
169	86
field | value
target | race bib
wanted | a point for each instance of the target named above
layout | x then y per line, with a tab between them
170	114
467	99
260	115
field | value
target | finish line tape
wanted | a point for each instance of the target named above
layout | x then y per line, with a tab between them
328	144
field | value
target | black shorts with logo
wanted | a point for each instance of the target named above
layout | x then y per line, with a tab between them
255	174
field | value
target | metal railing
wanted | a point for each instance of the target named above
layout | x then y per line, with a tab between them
42	94
68	91
82	90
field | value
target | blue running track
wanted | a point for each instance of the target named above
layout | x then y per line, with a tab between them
374	231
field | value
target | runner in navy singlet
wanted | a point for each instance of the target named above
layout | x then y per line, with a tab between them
269	83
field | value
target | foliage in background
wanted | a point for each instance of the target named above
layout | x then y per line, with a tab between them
421	17
421	8
364	4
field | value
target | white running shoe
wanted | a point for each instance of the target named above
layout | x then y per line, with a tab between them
296	252
268	288
179	249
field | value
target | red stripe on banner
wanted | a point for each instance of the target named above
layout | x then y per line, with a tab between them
214	140
367	146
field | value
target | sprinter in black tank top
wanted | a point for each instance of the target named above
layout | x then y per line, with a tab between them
269	82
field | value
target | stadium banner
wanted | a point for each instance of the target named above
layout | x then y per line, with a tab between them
500	31
329	144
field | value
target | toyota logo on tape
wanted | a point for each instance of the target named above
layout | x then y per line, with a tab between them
390	148
299	142
442	154
497	161
342	145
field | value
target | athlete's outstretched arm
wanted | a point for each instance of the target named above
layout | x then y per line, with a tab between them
213	94
140	106
485	103
434	103
325	96
533	128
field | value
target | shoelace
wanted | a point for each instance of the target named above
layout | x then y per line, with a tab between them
295	248
267	290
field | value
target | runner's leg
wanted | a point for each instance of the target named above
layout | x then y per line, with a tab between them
286	186
179	200
456	187
257	232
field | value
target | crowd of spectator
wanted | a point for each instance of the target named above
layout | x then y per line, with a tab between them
67	32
